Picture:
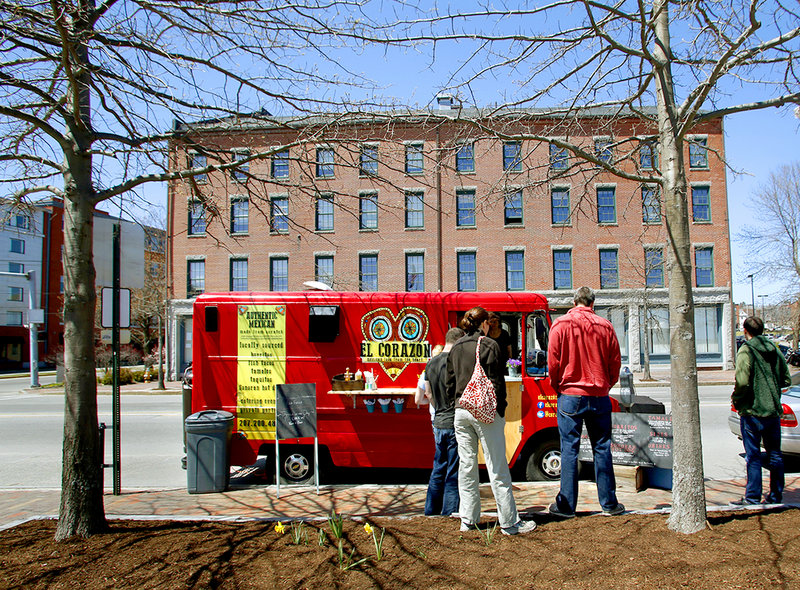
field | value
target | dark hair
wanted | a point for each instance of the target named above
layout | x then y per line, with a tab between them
754	325
584	296
473	319
453	334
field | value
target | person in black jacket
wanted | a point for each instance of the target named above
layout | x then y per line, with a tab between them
470	432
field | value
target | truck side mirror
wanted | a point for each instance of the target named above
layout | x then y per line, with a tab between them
211	318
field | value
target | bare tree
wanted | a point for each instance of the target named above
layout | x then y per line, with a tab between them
773	240
688	60
88	93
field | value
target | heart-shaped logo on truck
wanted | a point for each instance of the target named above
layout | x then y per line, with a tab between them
394	341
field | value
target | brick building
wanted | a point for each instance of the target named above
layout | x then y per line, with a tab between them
430	201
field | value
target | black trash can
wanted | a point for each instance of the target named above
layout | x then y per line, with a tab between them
207	461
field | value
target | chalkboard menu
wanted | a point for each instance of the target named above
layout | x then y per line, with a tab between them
296	410
636	439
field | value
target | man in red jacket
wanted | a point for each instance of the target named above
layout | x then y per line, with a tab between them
584	362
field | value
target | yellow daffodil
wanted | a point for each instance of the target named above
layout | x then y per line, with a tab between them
368	528
279	528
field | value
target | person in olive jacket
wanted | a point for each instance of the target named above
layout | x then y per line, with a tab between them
761	373
471	432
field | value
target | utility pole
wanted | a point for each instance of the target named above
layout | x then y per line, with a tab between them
752	293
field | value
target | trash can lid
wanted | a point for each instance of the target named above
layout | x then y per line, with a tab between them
209	416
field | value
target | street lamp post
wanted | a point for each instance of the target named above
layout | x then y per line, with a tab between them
763	315
752	293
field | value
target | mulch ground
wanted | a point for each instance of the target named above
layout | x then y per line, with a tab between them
742	549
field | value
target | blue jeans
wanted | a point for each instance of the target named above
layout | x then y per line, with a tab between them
595	412
442	495
755	430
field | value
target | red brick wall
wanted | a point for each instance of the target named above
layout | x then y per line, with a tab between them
488	238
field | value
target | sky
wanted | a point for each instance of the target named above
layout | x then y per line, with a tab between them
756	143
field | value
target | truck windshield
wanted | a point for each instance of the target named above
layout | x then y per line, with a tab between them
536	332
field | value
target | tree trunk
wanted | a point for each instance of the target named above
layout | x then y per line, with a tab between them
688	489
81	512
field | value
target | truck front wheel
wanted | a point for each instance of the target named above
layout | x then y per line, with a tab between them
544	463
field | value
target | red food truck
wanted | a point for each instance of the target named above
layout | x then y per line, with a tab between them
245	344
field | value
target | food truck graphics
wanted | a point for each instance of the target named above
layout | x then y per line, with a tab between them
245	344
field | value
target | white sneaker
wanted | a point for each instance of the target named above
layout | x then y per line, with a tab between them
468	527
522	527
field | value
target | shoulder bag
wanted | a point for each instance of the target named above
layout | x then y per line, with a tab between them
479	397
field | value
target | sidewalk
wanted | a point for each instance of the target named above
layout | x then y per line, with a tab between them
248	502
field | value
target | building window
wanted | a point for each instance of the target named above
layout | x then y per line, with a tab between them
559	206
465	158
243	170
13	318
279	274
651	205
415	213
17	246
368	160
706	329
654	267
648	155
513	208
368	211
197	218
415	272
279	215
198	161
701	204
17	267
323	269
325	163
512	156
465	208
195	277
562	269
16	293
238	274
240	219
20	221
467	271
603	150
323	219
414	159
704	267
367	272
609	269
515	270
279	167
698	152
559	158
606	205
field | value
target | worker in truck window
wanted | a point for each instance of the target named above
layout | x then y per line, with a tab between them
470	432
442	495
501	336
584	361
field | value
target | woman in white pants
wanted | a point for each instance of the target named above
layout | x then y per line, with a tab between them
470	432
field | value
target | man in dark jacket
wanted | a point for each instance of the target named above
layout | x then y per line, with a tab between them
761	373
442	497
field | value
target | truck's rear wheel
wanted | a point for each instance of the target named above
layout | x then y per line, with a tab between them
544	463
297	465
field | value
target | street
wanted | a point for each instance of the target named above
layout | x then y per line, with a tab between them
152	444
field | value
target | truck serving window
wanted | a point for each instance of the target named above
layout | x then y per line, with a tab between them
323	323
